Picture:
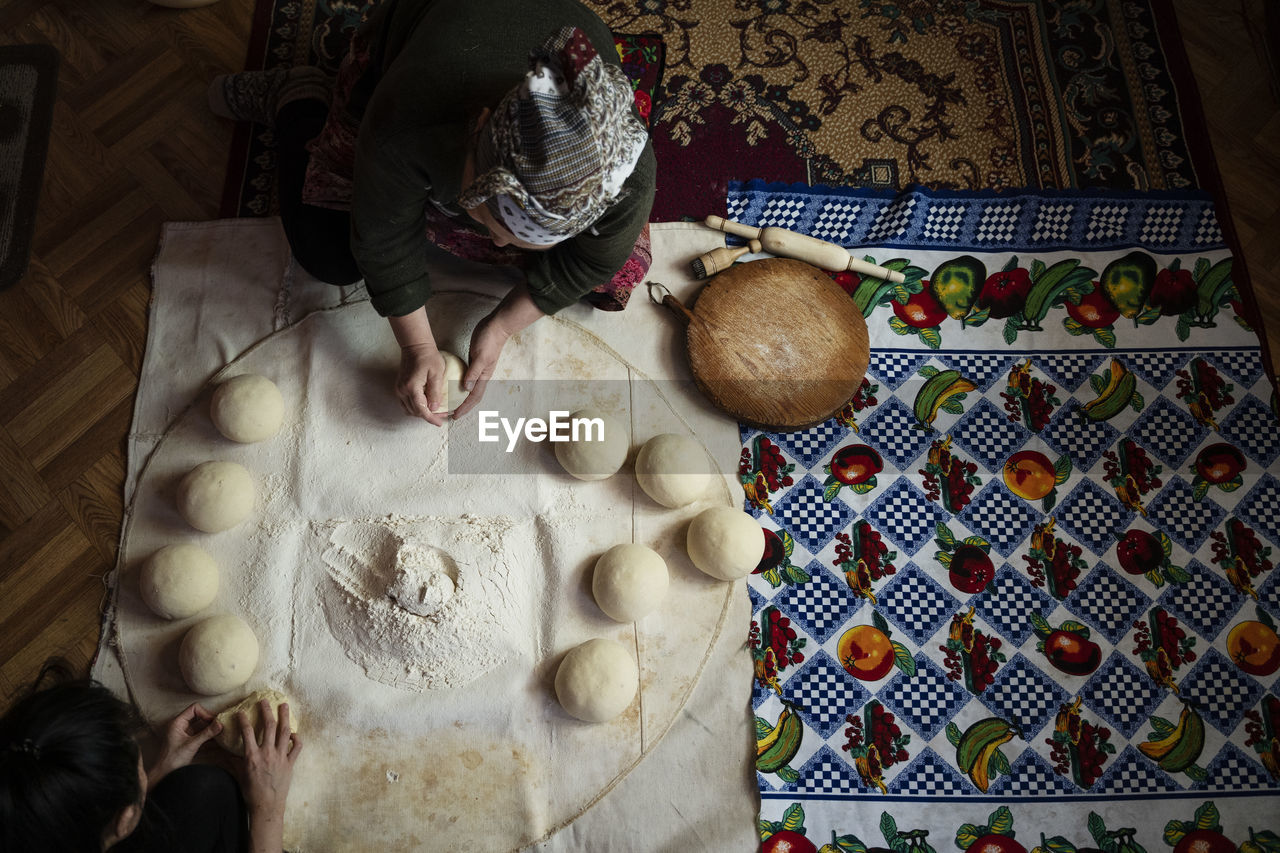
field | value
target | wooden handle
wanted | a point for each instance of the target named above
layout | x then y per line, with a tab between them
811	250
678	308
728	226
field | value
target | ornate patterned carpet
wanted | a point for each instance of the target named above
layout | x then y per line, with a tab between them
958	94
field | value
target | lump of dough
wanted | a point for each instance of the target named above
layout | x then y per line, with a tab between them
725	543
592	456
597	681
454	368
218	654
629	581
178	581
216	496
232	739
673	469
425	579
247	408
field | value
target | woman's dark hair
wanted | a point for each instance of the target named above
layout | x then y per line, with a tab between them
68	764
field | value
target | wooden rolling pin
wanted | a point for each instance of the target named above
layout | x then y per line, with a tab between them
811	250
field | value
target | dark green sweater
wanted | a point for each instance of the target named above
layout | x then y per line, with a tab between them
439	62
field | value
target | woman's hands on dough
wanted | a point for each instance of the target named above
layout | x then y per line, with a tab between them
267	773
183	737
515	312
420	383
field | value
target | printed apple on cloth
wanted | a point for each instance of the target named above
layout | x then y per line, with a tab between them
1031	561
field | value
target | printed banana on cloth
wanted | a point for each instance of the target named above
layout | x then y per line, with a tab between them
1020	593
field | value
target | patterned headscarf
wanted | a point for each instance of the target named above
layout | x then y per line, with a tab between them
557	149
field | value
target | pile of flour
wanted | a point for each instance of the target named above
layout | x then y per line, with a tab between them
428	603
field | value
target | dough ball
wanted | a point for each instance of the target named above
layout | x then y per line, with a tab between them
673	469
629	581
216	496
725	543
589	458
247	408
179	581
597	681
218	654
232	739
454	367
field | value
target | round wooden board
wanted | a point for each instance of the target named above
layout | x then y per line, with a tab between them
777	344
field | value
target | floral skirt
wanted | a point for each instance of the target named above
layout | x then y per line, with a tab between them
329	184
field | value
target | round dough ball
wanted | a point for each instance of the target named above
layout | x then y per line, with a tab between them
179	581
591	459
247	408
629	581
725	543
231	738
597	681
218	654
454	368
216	496
672	469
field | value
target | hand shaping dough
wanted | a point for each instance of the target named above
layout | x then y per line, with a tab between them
232	739
218	654
594	460
673	469
247	408
629	581
597	681
216	496
178	581
725	543
454	368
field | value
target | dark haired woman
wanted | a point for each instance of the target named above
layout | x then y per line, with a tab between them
72	778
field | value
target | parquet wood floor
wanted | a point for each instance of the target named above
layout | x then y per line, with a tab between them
134	146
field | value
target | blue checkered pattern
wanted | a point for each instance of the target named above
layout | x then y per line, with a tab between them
891	430
943	221
1070	371
783	212
1244	366
928	774
1108	602
1168	430
812	520
892	220
999	222
1082	439
905	515
1053	222
827	773
1154	367
824	694
1162	224
1030	776
1208	232
894	368
822	605
1122	694
1187	521
1021	692
927	701
1206	602
987	434
1220	691
1008	603
1252	427
1092	516
1132	773
807	446
982	369
1000	517
1261	507
916	604
835	221
1232	769
1107	222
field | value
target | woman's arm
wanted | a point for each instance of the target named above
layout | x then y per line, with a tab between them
515	312
420	384
267	774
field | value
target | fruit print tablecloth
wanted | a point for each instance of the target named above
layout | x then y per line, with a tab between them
1020	592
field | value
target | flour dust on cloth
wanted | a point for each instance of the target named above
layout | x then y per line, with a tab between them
416	606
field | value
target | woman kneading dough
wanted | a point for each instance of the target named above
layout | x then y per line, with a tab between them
500	130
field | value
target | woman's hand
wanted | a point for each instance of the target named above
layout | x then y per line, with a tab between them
487	342
183	737
267	773
420	383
